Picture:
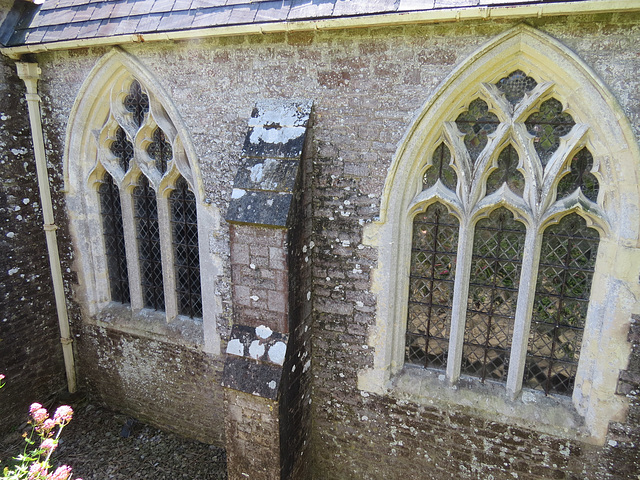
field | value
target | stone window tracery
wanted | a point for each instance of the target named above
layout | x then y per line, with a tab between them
144	190
515	173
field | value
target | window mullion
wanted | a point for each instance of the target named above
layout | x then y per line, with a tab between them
168	269
131	249
460	296
522	323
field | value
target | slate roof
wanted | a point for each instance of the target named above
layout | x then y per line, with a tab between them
64	20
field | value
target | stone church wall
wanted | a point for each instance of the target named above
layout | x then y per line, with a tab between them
367	85
31	354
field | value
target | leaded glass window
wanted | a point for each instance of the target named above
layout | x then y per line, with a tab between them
435	238
137	103
547	126
470	296
184	222
122	148
441	169
477	124
160	150
567	262
493	292
113	232
149	249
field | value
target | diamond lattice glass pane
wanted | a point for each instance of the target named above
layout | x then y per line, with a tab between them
440	169
567	262
580	177
547	126
149	252
435	241
507	172
160	150
137	102
122	148
477	124
113	233
493	287
186	250
515	86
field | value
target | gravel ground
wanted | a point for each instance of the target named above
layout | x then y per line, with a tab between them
93	446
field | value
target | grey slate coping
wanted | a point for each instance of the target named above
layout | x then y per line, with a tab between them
254	360
60	20
265	181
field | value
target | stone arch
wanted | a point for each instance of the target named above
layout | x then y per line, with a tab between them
90	115
602	126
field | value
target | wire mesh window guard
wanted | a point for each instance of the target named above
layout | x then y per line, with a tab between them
149	252
433	256
507	172
567	261
515	86
113	233
122	148
547	126
184	223
440	169
580	177
137	103
493	291
477	124
160	150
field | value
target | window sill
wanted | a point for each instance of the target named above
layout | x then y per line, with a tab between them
151	324
553	415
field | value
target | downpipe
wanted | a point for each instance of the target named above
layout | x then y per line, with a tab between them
30	74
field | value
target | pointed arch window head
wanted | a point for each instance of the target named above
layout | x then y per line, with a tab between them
467	327
580	177
122	148
160	150
137	103
547	126
507	172
515	86
440	169
477	123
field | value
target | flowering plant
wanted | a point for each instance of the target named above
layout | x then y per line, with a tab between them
33	463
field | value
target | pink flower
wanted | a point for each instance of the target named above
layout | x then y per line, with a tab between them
47	426
37	471
63	415
48	445
40	415
1	376
34	407
61	473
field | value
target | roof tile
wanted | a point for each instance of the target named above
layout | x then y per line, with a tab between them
349	7
243	13
273	11
102	11
141	7
56	17
181	5
176	21
107	28
121	9
35	36
405	5
311	9
149	23
89	29
162	6
208	3
55	34
83	13
211	17
455	3
127	26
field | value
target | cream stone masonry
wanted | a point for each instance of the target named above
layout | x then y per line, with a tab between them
602	128
87	160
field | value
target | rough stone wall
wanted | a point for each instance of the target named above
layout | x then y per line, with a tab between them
30	350
367	85
167	385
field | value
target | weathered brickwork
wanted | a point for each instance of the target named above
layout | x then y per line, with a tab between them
30	351
367	85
